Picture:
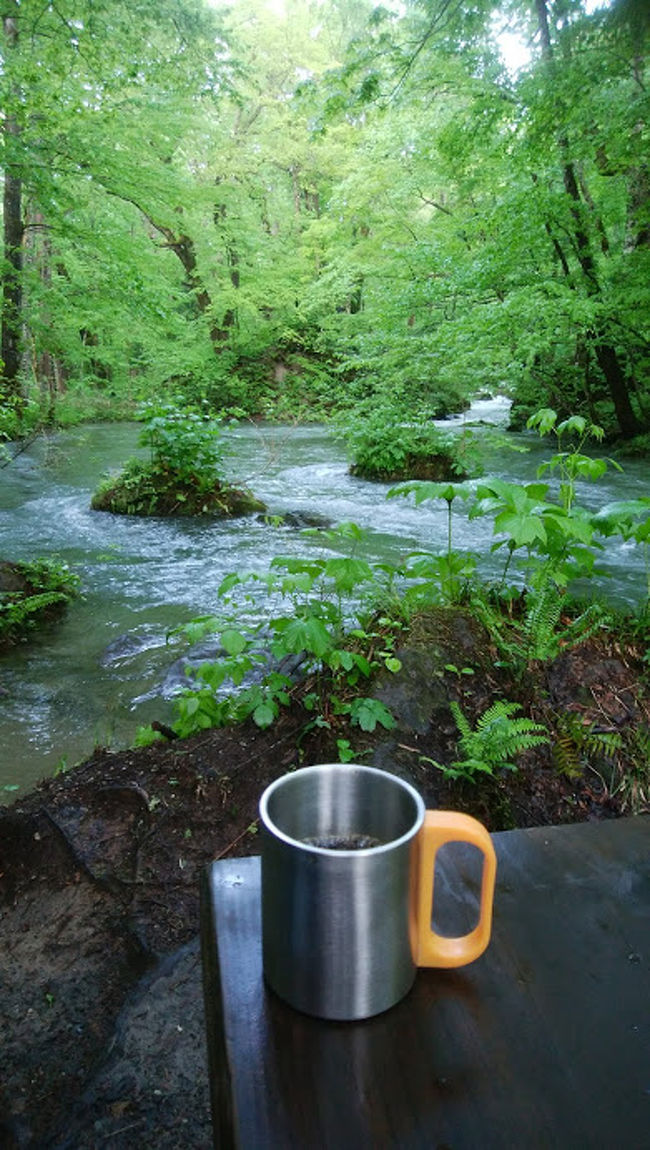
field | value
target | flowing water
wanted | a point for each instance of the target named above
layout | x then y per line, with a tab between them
107	668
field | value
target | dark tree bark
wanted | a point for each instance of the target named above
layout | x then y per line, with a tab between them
639	221
183	248
232	257
11	318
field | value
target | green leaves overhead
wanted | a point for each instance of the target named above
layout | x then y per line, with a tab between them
334	205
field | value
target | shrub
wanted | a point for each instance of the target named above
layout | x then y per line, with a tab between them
383	448
184	473
186	443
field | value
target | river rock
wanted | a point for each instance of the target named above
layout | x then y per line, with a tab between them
11	577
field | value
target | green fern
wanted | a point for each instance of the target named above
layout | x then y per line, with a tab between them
535	637
45	583
496	740
540	634
16	612
577	743
567	756
620	758
590	622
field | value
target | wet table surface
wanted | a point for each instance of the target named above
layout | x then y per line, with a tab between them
543	1042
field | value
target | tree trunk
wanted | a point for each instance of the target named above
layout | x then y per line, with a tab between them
182	246
610	365
232	257
46	368
639	223
606	354
11	318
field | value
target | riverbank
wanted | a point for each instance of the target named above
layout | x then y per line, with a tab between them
102	1037
108	666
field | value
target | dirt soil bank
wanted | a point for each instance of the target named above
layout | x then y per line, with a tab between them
102	1042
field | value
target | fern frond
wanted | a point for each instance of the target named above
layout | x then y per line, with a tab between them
499	710
634	787
584	626
497	739
640	746
608	743
467	768
17	611
566	756
577	743
461	722
544	607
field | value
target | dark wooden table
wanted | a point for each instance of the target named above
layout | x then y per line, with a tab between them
543	1042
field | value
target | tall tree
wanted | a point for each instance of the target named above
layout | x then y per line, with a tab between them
97	97
582	242
11	312
515	262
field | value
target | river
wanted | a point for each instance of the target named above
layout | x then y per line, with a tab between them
107	667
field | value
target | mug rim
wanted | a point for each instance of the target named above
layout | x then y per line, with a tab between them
274	829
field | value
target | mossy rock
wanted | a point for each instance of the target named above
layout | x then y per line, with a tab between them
437	467
138	490
13	579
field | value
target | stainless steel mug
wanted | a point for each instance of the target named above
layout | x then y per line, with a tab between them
348	861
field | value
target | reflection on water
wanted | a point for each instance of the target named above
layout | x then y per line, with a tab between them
74	686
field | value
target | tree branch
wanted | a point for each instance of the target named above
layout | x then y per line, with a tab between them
434	204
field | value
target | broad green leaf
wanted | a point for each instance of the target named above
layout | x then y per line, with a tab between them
264	715
341	658
543	420
424	490
523	528
233	641
296	635
301	581
368	713
575	423
312	567
348	573
620	516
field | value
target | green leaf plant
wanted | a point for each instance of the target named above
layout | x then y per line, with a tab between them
385	447
184	441
620	758
184	474
334	618
323	627
46	584
541	524
444	577
556	532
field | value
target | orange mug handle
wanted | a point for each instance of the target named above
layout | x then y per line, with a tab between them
434	949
